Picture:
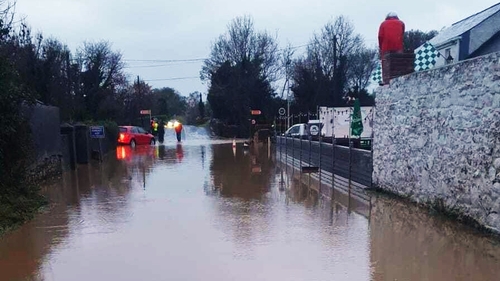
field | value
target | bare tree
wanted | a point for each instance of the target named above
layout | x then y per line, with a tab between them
362	65
103	65
101	73
336	60
242	43
336	40
286	67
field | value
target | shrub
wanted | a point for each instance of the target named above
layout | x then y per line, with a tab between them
19	195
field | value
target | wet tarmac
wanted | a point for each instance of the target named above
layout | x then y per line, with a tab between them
202	210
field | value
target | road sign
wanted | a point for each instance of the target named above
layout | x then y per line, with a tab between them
146	111
281	111
255	112
253	121
97	132
314	130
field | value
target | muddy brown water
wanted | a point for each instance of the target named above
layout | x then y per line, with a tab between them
203	211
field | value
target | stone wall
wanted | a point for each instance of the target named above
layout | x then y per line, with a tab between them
437	138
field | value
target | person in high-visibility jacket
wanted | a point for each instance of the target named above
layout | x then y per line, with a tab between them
152	125
155	128
161	131
178	130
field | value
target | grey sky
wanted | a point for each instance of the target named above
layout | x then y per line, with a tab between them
176	30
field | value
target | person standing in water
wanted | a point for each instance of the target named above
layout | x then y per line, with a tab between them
161	131
178	130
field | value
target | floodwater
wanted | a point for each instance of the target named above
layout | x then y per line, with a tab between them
202	210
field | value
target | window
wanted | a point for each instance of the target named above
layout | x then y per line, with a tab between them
134	130
141	130
123	130
295	129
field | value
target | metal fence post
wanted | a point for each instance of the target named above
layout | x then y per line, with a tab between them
350	166
319	165
300	153
333	158
371	145
286	155
310	156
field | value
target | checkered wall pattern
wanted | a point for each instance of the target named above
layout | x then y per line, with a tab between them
426	57
377	73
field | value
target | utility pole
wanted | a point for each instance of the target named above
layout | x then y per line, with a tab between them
288	106
334	67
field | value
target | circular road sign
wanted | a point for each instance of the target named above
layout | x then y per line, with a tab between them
281	111
314	130
253	121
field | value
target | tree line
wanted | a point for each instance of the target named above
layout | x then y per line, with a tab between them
247	70
87	85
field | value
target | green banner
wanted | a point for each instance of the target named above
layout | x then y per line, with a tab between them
356	120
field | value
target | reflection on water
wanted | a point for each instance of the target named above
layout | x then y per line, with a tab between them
409	244
239	174
198	211
98	188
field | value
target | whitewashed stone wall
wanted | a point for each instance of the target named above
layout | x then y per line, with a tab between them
437	138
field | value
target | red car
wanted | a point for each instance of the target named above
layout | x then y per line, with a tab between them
134	136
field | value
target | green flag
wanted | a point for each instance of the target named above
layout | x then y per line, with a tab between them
356	120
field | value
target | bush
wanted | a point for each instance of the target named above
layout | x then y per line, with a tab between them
111	131
19	194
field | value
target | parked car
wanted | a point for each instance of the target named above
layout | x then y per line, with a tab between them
132	135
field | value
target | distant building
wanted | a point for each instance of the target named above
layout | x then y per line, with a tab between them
471	37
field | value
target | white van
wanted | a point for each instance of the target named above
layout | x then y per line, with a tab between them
303	130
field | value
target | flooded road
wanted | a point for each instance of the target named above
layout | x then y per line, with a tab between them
203	211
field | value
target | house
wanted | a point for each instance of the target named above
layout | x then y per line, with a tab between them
471	37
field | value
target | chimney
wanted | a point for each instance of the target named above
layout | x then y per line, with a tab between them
397	64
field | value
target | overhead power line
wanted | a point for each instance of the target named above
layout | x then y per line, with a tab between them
175	78
193	59
158	65
167	61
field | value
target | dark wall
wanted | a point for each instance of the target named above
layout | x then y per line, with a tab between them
491	46
45	128
44	124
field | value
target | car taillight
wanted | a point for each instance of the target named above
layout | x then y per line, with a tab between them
122	136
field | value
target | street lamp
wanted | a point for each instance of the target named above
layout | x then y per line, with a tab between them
449	59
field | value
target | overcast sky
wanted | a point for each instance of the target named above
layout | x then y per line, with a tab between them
183	30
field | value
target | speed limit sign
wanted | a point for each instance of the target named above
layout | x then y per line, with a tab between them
281	111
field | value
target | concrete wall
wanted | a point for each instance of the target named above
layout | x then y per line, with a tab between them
437	138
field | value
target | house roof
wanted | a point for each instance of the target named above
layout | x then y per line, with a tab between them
463	26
